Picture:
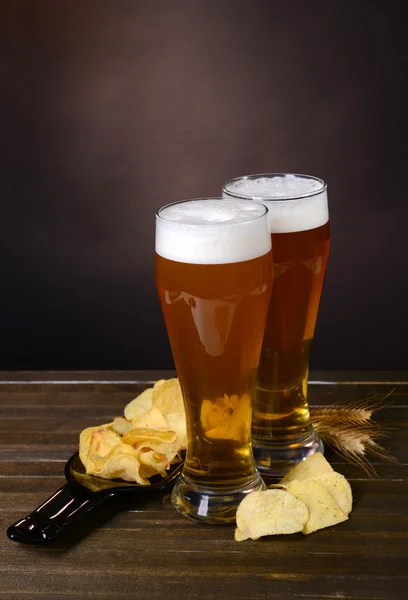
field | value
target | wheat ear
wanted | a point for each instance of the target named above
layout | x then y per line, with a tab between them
348	429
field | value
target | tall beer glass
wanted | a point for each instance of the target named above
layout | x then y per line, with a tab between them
214	277
299	222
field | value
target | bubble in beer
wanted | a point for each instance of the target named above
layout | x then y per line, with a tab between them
212	231
295	202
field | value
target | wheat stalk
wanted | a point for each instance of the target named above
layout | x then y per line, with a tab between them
347	428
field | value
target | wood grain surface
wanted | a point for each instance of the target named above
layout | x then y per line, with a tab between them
146	550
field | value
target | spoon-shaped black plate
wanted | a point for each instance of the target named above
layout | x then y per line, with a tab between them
81	494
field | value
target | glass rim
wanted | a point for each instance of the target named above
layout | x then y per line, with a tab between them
209	225
265	198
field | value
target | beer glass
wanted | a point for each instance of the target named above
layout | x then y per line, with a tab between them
214	277
282	431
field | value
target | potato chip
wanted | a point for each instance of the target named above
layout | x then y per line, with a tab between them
123	449
270	512
167	396
325	494
315	464
143	434
140	405
242	410
123	466
120	425
84	438
239	536
97	447
153	419
142	443
169	451
339	488
152	463
227	418
177	423
215	413
212	415
103	441
323	508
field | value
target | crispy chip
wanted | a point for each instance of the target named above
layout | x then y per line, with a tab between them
315	464
123	449
123	466
140	405
323	508
325	494
99	445
214	414
103	441
227	418
270	512
84	438
152	463
120	425
339	488
239	536
153	419
159	448
142	434
144	442
167	396
177	423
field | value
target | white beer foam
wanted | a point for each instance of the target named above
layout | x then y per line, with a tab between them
212	231
295	202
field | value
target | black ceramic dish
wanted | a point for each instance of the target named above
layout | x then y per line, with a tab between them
77	498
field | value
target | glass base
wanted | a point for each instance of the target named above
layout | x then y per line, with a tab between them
275	460
211	507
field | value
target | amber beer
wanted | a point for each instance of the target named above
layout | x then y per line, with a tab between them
214	276
298	217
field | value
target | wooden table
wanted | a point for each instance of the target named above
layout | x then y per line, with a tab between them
151	552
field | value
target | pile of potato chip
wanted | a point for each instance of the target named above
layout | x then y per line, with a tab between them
227	418
310	497
152	433
146	441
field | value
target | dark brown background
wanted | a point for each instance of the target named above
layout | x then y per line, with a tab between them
109	110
